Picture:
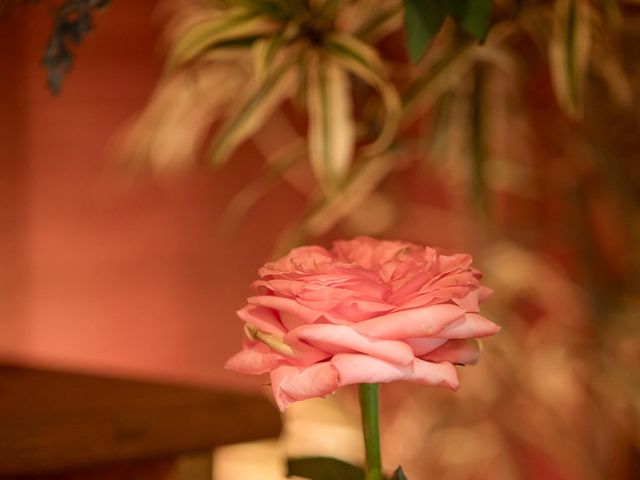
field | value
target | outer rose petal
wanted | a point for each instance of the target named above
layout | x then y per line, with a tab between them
422	346
296	314
262	318
470	302
341	338
290	384
252	361
470	326
457	351
417	322
355	368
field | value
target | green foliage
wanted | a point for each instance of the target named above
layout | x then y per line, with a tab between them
424	18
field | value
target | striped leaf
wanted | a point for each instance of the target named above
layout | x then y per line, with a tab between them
252	111
331	127
364	62
441	76
264	52
220	30
569	50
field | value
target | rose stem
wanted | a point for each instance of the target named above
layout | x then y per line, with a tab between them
369	393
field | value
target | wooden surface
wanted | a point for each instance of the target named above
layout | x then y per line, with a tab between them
53	421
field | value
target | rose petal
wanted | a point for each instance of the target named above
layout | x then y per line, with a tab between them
484	292
252	361
342	338
262	318
290	384
469	326
422	346
356	368
306	258
417	322
292	314
456	351
470	302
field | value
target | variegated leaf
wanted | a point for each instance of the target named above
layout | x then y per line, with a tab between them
252	110
219	30
364	62
440	77
380	19
331	126
569	50
264	51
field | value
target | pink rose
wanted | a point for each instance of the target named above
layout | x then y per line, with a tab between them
368	311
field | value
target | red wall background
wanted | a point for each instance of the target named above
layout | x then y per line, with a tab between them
100	271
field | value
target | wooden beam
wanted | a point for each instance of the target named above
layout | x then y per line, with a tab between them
52	421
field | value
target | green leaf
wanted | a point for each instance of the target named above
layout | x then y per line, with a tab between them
473	15
323	468
423	19
399	474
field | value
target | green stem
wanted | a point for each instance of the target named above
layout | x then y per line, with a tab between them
371	429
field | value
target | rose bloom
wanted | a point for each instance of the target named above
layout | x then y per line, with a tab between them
368	311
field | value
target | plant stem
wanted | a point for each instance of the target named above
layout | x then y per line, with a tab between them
371	429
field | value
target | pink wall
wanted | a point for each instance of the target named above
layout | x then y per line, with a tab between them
97	271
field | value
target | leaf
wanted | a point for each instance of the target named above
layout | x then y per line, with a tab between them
473	15
217	31
381	22
264	51
323	468
569	54
331	126
446	71
399	474
252	111
364	62
423	19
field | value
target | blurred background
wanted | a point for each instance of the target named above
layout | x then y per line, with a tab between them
192	141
